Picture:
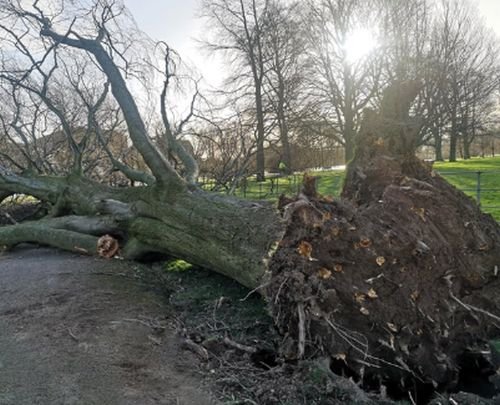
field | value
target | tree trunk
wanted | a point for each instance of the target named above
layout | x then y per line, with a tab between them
466	146
349	131
229	236
467	140
349	149
453	139
284	137
260	153
438	145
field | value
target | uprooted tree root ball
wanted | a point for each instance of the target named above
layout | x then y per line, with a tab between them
394	290
396	283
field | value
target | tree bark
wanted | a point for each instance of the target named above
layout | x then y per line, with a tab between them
220	233
453	139
260	155
438	145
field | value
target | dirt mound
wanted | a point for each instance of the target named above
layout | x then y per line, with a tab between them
397	282
399	289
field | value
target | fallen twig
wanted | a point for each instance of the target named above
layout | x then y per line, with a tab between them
239	346
302	330
260	287
276	298
73	335
196	349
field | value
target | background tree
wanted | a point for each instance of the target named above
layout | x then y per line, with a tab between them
238	32
226	151
285	50
341	85
469	63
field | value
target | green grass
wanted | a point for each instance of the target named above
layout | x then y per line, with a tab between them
196	293
329	183
474	164
462	174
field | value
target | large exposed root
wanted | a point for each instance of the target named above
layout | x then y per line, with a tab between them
398	289
397	282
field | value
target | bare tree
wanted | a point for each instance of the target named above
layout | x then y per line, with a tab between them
285	50
469	67
342	87
238	32
227	150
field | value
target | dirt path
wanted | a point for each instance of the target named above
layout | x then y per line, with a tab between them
74	331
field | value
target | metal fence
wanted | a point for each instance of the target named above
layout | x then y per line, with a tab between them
274	186
329	184
481	185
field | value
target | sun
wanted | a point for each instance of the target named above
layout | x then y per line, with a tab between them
358	44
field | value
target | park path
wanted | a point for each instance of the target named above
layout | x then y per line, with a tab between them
75	330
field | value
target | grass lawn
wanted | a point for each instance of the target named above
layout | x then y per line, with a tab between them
329	183
463	174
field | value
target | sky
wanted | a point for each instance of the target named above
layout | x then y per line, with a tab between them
491	12
176	22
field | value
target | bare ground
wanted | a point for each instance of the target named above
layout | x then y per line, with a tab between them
80	330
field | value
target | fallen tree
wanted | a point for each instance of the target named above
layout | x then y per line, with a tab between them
394	283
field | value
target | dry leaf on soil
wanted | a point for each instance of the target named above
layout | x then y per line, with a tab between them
305	249
420	212
359	297
365	243
324	273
